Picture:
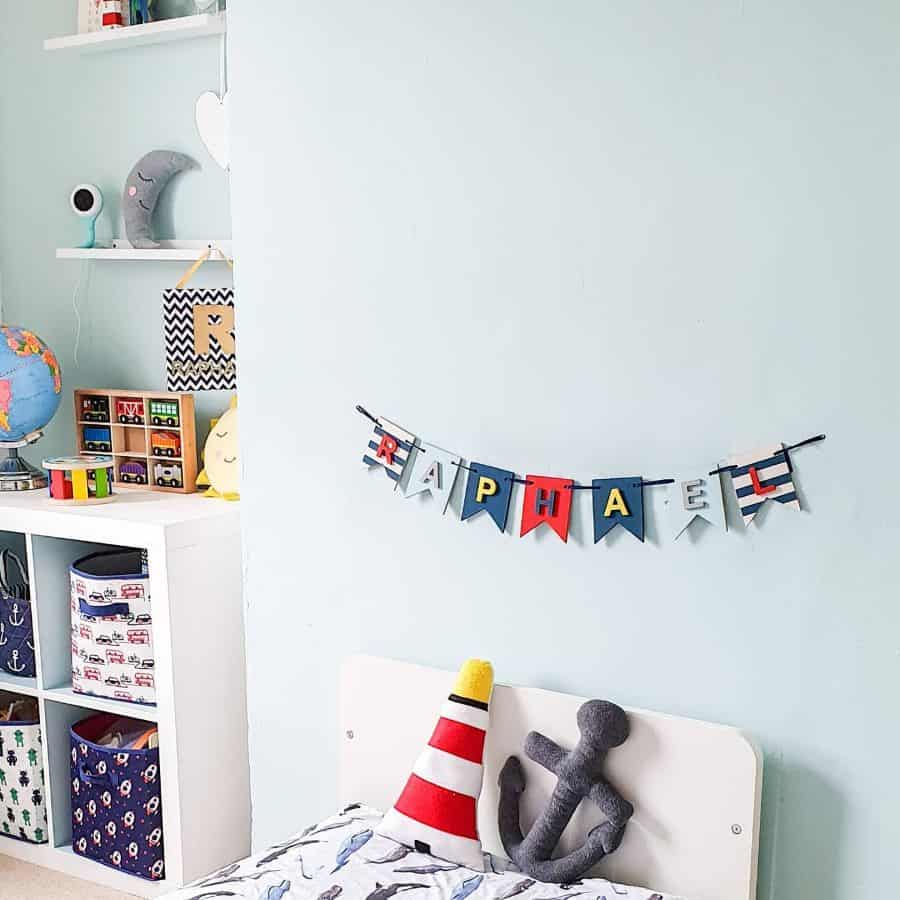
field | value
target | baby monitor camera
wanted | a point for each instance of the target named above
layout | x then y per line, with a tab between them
87	203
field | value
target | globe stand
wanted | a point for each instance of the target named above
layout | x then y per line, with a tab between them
17	474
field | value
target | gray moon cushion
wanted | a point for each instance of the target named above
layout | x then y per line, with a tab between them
146	182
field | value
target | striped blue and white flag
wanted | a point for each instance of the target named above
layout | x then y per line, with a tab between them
760	476
389	447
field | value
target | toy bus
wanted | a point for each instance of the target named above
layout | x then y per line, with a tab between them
168	475
97	439
94	409
164	412
165	443
130	412
133	472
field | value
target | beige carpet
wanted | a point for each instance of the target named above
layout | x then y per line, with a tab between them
20	881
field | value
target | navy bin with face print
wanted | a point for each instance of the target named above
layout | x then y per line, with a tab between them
116	802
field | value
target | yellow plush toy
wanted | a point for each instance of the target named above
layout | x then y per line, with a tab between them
221	457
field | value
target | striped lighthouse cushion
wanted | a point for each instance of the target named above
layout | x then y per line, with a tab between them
436	812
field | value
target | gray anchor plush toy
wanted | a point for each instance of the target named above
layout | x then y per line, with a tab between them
603	726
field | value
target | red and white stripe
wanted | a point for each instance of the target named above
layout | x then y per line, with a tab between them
111	13
439	805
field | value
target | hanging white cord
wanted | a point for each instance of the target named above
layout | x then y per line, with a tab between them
223	65
85	272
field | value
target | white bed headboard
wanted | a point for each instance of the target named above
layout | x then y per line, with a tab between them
695	786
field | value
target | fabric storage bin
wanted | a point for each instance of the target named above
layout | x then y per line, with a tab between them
116	805
112	634
22	801
16	629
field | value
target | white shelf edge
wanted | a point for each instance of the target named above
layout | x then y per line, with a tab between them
101	704
27	687
90	870
64	859
180	29
169	251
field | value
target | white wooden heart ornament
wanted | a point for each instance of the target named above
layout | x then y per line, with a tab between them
212	123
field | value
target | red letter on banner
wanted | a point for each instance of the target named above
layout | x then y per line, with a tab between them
387	448
547	500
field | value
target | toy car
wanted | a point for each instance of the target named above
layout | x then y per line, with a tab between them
103	639
165	443
94	409
130	412
96	660
164	412
97	439
168	476
96	597
133	472
142	619
147	664
112	681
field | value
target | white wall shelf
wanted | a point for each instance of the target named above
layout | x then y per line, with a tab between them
193	550
181	29
169	251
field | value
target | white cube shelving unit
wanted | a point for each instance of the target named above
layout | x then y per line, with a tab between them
194	557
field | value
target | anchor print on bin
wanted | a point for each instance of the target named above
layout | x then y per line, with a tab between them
16	637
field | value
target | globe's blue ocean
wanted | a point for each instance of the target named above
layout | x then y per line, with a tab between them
30	383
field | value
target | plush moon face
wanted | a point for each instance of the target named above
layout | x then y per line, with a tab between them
145	183
221	458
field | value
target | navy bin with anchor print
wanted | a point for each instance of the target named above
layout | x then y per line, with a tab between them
16	630
116	803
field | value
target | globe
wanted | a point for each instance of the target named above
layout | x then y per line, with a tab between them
30	384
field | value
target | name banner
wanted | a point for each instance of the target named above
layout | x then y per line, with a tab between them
694	492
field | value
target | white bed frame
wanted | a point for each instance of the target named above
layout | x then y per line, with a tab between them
695	786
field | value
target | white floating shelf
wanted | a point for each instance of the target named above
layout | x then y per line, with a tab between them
180	29
172	251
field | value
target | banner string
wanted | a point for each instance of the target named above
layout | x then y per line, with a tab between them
785	450
589	487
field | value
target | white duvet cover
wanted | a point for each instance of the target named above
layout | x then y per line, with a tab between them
342	859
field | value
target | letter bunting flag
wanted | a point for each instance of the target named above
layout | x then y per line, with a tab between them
694	493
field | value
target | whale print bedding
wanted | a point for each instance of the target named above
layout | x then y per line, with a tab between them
342	858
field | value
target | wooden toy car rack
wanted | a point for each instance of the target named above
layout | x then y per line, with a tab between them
152	436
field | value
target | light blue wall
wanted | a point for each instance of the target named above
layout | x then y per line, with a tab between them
580	239
65	119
